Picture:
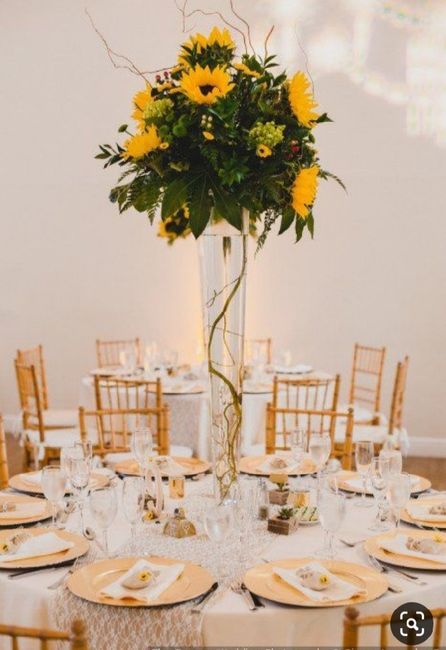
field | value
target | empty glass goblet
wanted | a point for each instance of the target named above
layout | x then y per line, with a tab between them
399	491
54	482
142	446
332	507
80	470
133	492
379	482
364	452
218	521
103	507
298	444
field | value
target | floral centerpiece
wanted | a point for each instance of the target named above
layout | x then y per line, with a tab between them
222	142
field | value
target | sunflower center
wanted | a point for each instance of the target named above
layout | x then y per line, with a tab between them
206	89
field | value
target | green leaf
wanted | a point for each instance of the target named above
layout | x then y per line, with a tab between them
175	195
287	219
101	156
199	204
226	205
145	193
123	128
300	225
310	224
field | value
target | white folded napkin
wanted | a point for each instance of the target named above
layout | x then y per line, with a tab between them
397	545
167	576
291	465
24	510
358	485
169	466
338	589
37	546
419	511
298	369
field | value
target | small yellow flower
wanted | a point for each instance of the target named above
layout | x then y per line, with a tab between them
205	86
5	547
164	86
323	579
164	145
263	151
438	538
144	576
140	101
301	100
208	135
304	190
244	68
142	144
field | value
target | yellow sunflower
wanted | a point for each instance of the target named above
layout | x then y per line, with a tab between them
244	68
140	101
301	100
223	39
142	143
263	151
205	86
304	190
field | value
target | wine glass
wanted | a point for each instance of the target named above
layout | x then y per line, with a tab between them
399	491
319	447
298	444
80	469
379	470
54	481
103	507
332	509
142	445
133	492
364	452
218	521
85	449
393	461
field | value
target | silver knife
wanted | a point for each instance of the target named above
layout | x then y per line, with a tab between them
199	606
248	597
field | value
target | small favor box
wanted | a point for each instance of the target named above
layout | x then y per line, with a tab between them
282	526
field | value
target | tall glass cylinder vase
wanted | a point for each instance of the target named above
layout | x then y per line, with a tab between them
223	264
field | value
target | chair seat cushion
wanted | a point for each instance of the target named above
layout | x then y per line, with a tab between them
56	438
363	415
59	418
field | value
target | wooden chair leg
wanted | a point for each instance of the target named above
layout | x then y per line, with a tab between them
350	628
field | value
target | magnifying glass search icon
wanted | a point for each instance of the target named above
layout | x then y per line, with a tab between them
412	624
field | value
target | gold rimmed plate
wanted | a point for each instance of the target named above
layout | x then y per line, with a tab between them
253	465
79	548
426	501
341	478
190	467
89	581
183	390
39	510
262	581
20	483
373	548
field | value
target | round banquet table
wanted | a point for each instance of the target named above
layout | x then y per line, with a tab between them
226	620
190	418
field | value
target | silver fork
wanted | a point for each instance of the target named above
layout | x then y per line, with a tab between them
60	581
376	565
237	588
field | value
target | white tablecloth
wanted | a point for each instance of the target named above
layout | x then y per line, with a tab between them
190	420
227	622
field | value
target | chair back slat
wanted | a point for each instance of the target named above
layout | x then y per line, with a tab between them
75	639
257	349
29	396
110	430
4	472
353	622
399	389
313	421
34	357
109	353
366	378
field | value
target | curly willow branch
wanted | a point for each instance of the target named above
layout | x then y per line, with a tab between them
245	22
186	15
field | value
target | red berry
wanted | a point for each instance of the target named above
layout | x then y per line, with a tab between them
166	74
158	78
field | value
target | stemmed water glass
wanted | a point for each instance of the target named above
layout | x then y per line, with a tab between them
54	482
80	469
319	447
392	460
218	521
399	491
379	473
142	445
298	444
133	500
103	507
331	507
364	452
85	449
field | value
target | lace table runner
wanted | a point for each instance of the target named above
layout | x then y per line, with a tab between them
113	628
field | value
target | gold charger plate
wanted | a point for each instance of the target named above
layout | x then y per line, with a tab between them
80	548
372	547
428	501
193	390
19	483
251	465
343	476
262	581
88	582
6	522
192	466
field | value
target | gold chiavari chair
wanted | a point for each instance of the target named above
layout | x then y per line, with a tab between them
110	430
4	472
59	418
394	429
312	421
353	622
48	638
111	392
305	393
366	382
264	348
108	352
37	432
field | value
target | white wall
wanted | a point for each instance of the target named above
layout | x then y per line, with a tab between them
72	269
